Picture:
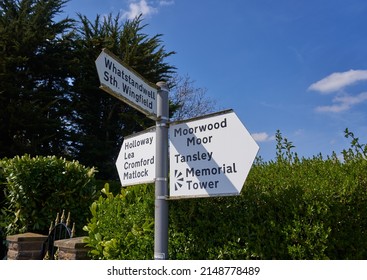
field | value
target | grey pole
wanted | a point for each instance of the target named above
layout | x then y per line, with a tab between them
161	181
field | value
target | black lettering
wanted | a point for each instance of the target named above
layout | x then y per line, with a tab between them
106	76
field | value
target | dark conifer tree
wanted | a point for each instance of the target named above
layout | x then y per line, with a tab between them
50	101
102	120
34	60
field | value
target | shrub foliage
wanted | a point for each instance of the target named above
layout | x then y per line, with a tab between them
290	208
122	225
36	188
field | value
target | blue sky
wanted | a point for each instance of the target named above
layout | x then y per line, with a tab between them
294	65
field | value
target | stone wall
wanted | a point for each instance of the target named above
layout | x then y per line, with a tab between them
28	246
25	246
72	249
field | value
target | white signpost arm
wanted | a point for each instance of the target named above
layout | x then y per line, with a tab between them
161	181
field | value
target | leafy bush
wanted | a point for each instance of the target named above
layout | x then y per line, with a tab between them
291	208
122	225
37	188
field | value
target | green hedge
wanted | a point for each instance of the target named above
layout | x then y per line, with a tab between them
36	188
122	225
290	208
309	209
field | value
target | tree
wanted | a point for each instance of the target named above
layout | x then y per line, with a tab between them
190	101
35	52
101	121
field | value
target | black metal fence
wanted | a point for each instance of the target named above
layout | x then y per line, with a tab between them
60	229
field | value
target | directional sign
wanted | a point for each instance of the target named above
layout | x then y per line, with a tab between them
136	161
121	81
210	156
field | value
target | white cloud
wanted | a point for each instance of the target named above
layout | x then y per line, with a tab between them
335	83
338	81
343	103
166	2
352	100
139	7
332	108
262	137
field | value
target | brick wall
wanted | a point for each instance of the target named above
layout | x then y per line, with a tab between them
25	246
28	246
72	249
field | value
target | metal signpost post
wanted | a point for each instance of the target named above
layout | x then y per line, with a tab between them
161	180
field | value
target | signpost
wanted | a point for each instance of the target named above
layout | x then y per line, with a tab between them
121	81
210	156
136	161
